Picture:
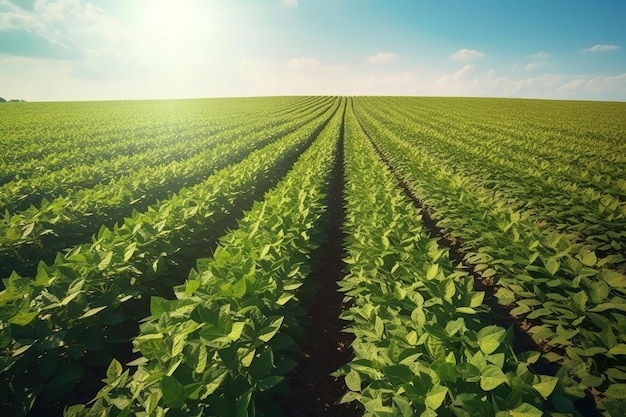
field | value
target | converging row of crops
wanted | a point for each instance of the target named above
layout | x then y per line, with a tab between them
159	258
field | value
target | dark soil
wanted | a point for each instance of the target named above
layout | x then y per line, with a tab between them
313	391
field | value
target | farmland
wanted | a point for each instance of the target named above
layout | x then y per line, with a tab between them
377	256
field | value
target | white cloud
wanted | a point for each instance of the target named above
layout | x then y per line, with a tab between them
598	86
605	84
601	48
572	85
289	3
382	57
460	74
534	65
540	55
466	55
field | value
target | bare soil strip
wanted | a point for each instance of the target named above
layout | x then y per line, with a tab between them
313	391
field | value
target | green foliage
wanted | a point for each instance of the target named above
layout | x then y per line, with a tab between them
549	232
532	191
75	309
228	337
424	342
37	232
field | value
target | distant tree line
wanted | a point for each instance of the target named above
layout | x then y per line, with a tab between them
13	100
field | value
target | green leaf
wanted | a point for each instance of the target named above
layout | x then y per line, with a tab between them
129	251
491	377
349	397
379	327
619	349
468	372
609	306
215	383
615	279
268	332
158	305
284	297
23	318
519	310
353	380
615	408
552	265
432	272
92	311
505	296
581	299
137	362
490	338
105	261
616	391
27	230
546	385
12	234
229	358
191	286
489	272
405	407
269	382
262	365
239	289
526	410
242	403
114	370
599	291
589	259
477	299
436	396
173	392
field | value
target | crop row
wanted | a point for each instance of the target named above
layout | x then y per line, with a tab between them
228	337
575	140
59	323
544	236
572	300
39	232
425	342
180	144
51	132
597	217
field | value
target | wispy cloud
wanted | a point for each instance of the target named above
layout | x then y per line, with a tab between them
466	55
289	3
540	55
382	57
29	43
572	85
597	85
606	83
601	48
534	65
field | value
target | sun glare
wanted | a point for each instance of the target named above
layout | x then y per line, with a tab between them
175	29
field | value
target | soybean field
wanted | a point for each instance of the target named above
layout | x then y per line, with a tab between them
313	256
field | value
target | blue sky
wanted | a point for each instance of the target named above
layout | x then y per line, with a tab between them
127	49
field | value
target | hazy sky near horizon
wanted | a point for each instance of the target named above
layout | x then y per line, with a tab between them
136	49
